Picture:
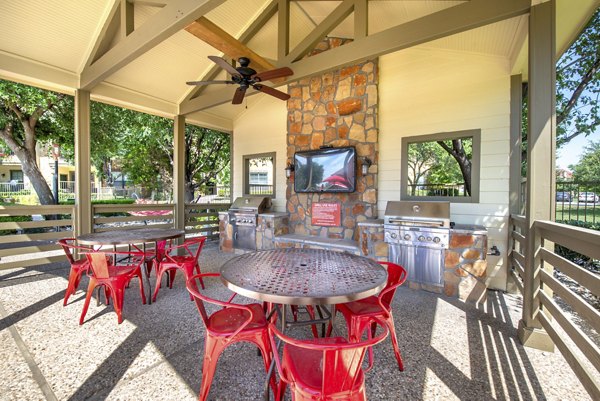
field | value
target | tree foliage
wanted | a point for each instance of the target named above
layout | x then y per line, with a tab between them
588	167
578	85
143	143
29	115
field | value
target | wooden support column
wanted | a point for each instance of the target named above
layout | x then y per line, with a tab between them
541	146
83	198
515	196
179	172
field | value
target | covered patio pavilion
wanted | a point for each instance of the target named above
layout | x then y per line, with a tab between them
429	67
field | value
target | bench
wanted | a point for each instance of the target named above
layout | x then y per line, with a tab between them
306	241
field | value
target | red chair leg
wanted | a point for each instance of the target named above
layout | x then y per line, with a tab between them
172	273
390	324
72	284
142	293
117	294
267	357
88	296
212	349
159	273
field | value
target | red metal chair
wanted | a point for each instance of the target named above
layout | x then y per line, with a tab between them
322	369
114	278
230	324
78	266
150	255
172	262
359	315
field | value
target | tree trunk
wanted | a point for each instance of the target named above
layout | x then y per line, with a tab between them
189	192
32	171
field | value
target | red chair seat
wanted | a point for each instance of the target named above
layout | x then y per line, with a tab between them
172	262
322	368
226	321
233	323
306	365
360	315
367	306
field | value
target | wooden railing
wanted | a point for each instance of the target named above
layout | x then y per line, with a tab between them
204	218
28	234
576	345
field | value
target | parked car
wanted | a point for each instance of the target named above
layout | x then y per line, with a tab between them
588	197
563	196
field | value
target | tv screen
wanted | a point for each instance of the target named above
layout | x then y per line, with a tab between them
325	170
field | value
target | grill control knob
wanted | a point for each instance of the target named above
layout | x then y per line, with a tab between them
407	237
421	238
429	239
436	240
394	235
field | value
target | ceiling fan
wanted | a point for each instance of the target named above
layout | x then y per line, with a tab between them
247	77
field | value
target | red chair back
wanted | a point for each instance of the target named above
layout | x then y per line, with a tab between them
98	264
187	244
68	244
338	368
396	277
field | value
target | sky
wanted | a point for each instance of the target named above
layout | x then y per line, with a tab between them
571	152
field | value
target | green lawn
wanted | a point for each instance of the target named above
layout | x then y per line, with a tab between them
582	212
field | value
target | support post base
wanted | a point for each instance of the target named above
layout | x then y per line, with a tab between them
535	338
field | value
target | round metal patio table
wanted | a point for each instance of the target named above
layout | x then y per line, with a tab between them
296	276
303	276
128	237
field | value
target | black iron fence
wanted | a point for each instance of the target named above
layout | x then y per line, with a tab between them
578	201
457	189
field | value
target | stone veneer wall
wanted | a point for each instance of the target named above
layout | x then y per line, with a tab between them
338	108
466	266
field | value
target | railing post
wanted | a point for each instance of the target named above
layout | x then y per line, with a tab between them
179	172
83	199
541	147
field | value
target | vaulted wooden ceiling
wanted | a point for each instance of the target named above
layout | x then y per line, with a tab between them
140	53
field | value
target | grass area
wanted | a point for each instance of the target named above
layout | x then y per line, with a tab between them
582	212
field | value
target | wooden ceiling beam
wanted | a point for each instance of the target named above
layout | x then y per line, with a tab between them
316	35
216	37
173	17
450	21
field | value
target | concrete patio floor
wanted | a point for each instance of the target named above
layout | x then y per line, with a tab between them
451	350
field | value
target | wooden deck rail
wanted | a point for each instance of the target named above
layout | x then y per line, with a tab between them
578	348
33	242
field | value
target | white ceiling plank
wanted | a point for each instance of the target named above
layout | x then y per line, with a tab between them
447	22
170	19
109	28
30	72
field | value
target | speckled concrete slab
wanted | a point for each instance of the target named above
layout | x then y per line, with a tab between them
451	350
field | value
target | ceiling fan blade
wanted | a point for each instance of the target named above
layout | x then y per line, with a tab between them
208	82
271	74
224	65
238	97
270	91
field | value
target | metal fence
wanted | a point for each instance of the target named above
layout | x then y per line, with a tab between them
451	190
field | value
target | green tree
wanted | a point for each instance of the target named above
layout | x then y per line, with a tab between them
29	115
422	157
578	85
588	167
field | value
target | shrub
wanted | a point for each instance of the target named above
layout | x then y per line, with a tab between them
577	258
8	219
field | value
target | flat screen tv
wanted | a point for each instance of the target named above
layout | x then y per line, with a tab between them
325	170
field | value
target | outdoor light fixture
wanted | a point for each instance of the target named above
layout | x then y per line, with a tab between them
366	163
289	170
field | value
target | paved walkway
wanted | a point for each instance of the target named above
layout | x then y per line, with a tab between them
451	350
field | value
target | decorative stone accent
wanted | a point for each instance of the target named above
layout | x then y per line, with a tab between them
268	226
466	266
336	109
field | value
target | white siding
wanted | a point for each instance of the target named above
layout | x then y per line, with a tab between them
262	128
425	91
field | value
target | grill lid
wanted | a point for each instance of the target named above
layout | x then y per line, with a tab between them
250	204
422	213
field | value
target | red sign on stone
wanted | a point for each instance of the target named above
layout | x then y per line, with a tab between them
326	214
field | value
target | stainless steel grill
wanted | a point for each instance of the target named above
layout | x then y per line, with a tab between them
243	216
417	234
